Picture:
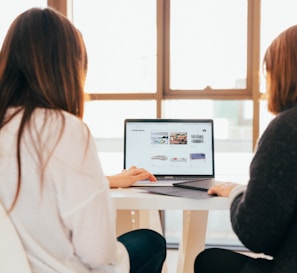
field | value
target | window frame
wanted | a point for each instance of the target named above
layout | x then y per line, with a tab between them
163	91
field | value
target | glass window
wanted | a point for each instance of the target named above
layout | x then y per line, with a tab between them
219	229
276	16
266	116
106	122
10	9
208	44
106	118
121	41
232	120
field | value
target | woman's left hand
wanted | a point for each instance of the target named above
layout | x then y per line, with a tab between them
128	177
222	189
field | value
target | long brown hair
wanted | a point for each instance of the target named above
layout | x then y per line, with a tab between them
280	62
43	64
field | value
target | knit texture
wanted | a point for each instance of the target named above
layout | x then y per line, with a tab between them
264	217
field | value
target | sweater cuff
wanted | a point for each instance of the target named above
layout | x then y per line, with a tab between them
236	191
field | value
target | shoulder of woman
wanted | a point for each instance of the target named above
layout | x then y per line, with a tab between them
61	120
60	129
280	129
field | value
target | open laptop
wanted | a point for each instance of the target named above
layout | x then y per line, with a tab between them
174	150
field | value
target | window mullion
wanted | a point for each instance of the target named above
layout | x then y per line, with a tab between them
253	51
60	5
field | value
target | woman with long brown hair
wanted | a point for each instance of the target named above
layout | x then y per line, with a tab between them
51	180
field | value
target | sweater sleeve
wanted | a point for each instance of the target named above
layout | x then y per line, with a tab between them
262	214
238	190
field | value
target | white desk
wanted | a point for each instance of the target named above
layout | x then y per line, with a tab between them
139	209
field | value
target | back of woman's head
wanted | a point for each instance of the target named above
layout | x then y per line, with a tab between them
43	63
280	62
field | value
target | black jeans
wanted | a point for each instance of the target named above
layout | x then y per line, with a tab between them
216	260
147	250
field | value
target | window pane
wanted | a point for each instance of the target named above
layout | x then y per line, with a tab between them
106	122
232	120
10	9
121	41
219	230
208	44
266	116
276	16
106	118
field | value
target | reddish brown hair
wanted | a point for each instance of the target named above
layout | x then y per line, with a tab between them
280	62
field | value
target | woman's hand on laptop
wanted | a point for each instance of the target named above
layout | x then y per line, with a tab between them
222	189
129	176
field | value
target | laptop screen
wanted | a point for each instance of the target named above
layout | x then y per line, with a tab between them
173	147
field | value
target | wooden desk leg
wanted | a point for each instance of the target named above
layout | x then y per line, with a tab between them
134	219
128	220
124	221
193	239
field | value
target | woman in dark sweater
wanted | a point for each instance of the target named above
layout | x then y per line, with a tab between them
264	213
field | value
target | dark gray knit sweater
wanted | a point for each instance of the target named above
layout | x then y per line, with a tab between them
265	216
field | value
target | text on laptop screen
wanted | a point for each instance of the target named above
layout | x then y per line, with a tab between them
170	147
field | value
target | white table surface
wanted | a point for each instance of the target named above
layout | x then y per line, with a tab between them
139	209
132	198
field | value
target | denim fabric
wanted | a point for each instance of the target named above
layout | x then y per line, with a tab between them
215	260
147	250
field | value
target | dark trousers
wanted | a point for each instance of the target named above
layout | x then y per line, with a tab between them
147	250
216	260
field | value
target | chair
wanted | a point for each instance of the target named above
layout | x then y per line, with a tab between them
13	257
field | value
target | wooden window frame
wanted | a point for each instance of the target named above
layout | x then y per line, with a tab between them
163	91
